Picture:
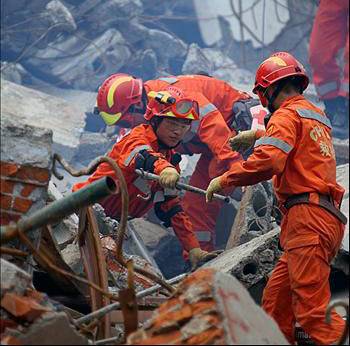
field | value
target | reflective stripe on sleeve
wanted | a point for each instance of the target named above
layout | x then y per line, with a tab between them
310	114
203	111
134	152
170	80
278	143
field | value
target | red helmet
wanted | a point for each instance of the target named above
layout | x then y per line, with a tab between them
278	66
171	104
116	94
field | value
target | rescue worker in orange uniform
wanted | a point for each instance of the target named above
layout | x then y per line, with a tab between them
296	151
223	111
150	147
330	34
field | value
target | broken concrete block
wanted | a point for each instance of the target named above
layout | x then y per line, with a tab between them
254	214
118	272
60	16
50	329
45	111
26	158
252	261
209	308
71	255
196	61
13	278
92	145
22	307
104	55
175	48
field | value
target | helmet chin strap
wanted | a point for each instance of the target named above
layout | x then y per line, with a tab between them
275	94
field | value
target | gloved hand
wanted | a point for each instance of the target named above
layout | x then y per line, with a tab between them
243	141
213	187
168	177
198	255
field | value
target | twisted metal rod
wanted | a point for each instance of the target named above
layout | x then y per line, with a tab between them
25	240
121	230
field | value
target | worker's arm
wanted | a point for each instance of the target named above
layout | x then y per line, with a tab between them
270	153
126	154
171	213
213	131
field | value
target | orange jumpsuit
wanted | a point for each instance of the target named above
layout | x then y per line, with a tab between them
330	33
124	152
297	152
209	138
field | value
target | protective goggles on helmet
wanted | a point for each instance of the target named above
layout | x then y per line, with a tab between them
182	109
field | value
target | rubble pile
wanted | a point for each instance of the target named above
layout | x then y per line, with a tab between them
254	216
29	317
57	54
79	43
119	272
25	174
252	262
41	110
209	308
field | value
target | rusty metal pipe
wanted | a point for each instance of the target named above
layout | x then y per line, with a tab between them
182	186
60	209
125	206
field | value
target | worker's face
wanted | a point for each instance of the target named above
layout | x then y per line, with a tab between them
172	131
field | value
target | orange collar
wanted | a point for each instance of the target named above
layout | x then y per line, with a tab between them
290	100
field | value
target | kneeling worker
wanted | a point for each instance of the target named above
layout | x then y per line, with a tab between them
297	152
151	147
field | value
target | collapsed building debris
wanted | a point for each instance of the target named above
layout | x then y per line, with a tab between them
29	317
41	110
252	262
254	214
209	307
25	174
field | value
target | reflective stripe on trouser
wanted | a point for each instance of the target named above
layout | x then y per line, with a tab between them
330	34
298	289
344	89
203	236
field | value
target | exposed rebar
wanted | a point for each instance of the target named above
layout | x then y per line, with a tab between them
101	312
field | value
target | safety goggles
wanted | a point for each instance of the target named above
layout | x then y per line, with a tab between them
183	109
